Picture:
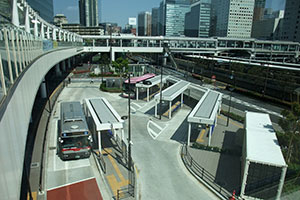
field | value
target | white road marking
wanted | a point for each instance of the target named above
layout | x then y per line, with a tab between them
151	132
136	105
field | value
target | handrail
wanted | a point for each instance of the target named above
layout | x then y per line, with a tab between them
203	174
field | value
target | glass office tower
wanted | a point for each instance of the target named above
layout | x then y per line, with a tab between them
88	12
44	8
171	17
198	20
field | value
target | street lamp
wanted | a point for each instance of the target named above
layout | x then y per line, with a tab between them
165	56
230	94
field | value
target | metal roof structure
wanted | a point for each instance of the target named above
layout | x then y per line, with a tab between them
104	115
154	81
261	142
206	109
72	117
173	91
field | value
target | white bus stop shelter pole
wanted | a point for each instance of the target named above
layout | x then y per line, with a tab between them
189	135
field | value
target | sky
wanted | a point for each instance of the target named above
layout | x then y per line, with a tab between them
118	11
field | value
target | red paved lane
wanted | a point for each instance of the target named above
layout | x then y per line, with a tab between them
85	190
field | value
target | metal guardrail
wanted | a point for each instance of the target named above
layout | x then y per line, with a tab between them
100	160
200	172
125	192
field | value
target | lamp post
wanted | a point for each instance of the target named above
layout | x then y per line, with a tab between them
129	125
161	83
230	94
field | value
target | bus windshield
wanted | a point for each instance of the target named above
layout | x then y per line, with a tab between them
75	142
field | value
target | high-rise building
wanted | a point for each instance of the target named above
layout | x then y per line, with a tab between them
197	21
88	12
154	21
267	29
291	21
144	24
43	8
259	8
234	18
60	19
171	17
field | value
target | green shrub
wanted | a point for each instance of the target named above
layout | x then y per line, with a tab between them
233	116
112	90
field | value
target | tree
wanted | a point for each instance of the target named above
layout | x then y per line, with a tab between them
104	60
290	123
121	67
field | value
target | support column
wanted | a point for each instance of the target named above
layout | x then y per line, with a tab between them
69	63
57	70
2	77
64	66
15	14
147	94
36	33
155	114
27	20
170	109
244	180
8	56
42	30
112	56
48	32
13	39
43	90
281	182
189	134
122	135
99	141
209	135
137	93
181	102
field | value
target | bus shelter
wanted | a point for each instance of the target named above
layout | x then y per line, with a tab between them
150	83
104	117
170	94
206	112
263	164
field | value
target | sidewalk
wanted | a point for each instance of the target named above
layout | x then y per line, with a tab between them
225	168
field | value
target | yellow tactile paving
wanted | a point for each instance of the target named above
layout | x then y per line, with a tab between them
112	180
200	138
172	108
34	196
151	95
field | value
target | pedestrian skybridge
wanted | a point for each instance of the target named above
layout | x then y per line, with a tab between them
170	94
205	112
150	84
101	116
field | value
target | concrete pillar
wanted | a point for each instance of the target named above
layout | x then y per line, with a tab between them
189	134
43	90
99	142
15	14
155	110
170	109
69	63
63	63
122	135
281	182
209	135
42	30
54	35
181	102
137	93
57	70
48	32
147	94
14	52
112	56
2	77
244	178
36	32
27	20
8	56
